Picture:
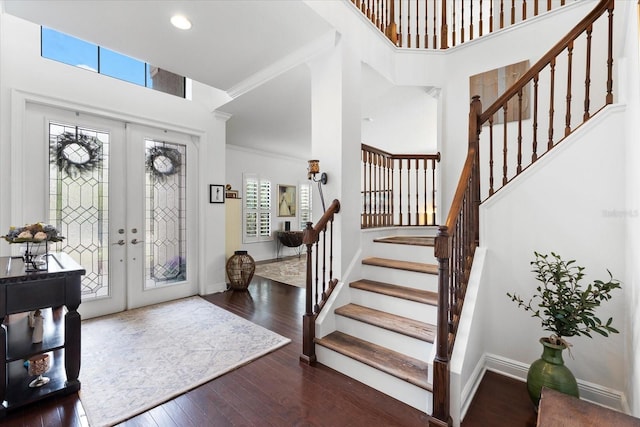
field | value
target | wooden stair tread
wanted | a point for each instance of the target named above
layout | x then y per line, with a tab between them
406	368
402	325
411	294
418	267
408	240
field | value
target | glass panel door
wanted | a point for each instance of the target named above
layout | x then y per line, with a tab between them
121	196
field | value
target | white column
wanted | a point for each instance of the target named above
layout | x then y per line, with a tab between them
335	141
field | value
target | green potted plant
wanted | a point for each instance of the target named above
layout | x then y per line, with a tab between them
566	309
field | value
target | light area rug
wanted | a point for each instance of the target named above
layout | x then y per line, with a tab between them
292	271
138	359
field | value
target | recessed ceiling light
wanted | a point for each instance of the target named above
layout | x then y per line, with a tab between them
181	22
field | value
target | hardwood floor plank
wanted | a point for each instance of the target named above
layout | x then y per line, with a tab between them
279	390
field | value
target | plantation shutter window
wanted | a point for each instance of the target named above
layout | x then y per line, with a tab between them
257	208
305	205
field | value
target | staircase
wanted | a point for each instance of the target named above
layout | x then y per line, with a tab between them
393	306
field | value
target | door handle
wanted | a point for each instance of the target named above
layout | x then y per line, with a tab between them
136	241
119	242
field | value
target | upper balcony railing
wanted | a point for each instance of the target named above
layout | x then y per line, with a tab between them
397	189
441	24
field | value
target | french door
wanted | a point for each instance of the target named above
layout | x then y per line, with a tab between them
121	195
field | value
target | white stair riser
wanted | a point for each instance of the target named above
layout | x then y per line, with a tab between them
403	391
401	307
406	345
424	254
394	276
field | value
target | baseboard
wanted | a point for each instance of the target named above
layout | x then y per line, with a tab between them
590	392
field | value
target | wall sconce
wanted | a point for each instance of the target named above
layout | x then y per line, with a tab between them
312	171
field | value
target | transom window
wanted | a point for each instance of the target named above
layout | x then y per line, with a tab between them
79	53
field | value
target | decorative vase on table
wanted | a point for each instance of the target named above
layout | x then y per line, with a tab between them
550	371
240	268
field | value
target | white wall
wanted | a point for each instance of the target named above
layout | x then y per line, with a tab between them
629	66
280	170
402	120
563	205
23	69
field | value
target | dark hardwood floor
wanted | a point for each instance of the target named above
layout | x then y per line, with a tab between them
279	390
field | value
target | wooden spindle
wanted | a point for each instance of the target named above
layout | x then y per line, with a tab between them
471	21
519	166
409	36
551	109
524	10
587	79
567	119
481	24
400	36
535	7
425	195
461	23
490	16
444	28
548	5
610	57
453	27
370	190
491	191
513	12
504	145
389	191
534	154
400	192
417	26
409	191
433	191
426	24
435	27
501	13
418	192
377	22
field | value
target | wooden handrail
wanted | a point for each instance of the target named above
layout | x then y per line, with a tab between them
310	238
546	80
556	50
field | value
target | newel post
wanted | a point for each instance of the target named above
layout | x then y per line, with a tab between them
309	238
441	384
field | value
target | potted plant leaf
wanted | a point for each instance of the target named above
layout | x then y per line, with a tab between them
566	309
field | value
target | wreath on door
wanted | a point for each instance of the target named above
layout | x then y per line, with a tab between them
162	162
76	154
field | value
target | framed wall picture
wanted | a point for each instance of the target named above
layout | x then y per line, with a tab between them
286	200
216	193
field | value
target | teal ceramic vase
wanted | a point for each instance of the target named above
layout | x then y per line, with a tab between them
549	371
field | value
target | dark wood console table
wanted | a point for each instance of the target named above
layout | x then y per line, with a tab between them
56	292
